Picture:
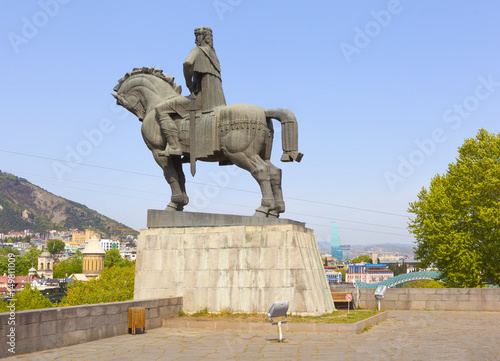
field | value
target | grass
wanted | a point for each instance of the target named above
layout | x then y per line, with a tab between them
340	316
366	329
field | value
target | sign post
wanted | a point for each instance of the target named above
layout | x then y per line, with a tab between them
348	298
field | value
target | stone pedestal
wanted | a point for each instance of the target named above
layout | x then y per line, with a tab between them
243	268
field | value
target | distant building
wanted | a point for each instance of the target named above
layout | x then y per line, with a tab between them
82	237
335	242
129	254
18	285
32	272
79	277
45	264
93	258
333	277
346	252
368	273
108	244
25	214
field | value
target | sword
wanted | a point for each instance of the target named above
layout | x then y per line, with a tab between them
192	134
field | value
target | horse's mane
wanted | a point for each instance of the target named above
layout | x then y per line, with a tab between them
145	70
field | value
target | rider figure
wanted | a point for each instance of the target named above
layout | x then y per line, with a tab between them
203	79
202	72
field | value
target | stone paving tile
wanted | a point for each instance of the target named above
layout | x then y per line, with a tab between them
406	335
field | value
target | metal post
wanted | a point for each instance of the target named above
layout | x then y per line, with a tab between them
279	330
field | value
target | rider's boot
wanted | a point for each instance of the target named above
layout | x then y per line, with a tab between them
169	129
173	147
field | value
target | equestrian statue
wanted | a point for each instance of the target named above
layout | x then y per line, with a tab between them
179	129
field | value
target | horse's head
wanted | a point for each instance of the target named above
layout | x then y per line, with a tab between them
142	89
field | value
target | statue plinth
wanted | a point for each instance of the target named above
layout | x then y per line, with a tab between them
161	219
243	266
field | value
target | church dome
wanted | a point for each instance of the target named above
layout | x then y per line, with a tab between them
45	253
93	247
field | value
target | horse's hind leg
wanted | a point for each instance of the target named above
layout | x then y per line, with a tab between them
275	177
260	170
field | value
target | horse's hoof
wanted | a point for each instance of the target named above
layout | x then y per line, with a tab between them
174	207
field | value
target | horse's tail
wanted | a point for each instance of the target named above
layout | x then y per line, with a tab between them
289	133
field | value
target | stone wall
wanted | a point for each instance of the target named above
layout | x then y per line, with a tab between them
43	329
431	299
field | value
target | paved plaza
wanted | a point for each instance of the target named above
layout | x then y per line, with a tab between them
405	335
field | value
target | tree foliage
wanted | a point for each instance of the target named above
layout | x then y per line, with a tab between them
363	258
343	272
67	267
56	246
30	299
9	249
113	285
424	284
398	269
113	258
457	220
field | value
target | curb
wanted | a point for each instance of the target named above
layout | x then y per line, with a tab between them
333	328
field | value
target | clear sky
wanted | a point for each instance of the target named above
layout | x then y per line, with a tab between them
384	93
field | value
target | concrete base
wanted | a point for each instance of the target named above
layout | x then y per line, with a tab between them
162	219
241	268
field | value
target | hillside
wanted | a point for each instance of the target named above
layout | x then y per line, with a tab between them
46	210
401	250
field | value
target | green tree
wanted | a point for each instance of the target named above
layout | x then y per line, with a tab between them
363	258
26	261
3	306
69	266
113	285
343	271
30	299
4	265
398	269
113	258
424	284
457	220
56	246
9	249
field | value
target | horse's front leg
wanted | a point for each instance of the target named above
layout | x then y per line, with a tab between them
176	181
175	178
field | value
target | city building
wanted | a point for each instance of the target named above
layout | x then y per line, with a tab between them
93	258
45	264
108	244
81	237
346	252
368	273
335	242
129	254
333	277
18	283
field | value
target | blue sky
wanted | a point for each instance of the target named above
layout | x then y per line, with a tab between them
384	93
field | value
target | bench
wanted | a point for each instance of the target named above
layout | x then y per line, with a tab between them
339	297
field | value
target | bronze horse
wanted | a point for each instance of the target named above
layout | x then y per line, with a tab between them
240	134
